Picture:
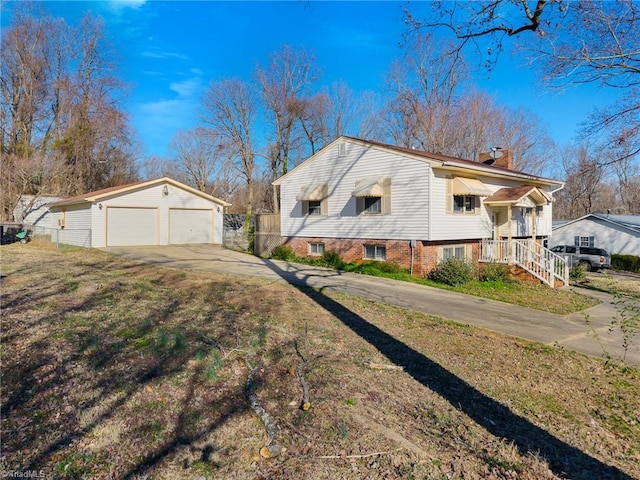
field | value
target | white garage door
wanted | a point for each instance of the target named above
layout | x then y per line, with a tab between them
190	226
132	226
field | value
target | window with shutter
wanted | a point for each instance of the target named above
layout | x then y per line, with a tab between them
464	204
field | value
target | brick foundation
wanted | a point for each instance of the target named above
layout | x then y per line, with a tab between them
425	254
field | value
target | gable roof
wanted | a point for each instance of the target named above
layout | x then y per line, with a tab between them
515	195
627	222
435	159
98	195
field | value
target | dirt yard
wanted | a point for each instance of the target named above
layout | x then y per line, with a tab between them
117	370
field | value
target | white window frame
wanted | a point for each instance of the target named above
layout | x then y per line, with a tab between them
379	252
316	249
316	210
453	251
466	209
374	206
583	241
342	149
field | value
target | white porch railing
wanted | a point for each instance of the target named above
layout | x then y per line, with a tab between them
540	262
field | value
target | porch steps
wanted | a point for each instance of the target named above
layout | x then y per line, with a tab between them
536	260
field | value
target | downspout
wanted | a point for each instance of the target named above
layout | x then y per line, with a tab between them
551	219
430	198
557	189
412	246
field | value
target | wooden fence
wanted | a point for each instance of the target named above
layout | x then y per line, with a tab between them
267	234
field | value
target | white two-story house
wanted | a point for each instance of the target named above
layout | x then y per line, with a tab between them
371	201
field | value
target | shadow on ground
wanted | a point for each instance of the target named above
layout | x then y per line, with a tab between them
566	461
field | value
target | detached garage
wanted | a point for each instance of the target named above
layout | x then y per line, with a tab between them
155	212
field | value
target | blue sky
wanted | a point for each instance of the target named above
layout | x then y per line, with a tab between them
170	51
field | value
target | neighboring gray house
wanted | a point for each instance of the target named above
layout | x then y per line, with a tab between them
372	201
615	233
155	212
34	211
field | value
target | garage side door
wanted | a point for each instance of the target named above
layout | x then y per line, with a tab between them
132	226
190	226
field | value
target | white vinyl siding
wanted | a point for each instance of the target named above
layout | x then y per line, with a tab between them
190	226
132	226
450	225
77	226
408	199
420	200
154	198
106	222
613	238
38	213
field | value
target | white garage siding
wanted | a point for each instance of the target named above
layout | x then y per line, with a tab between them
77	226
190	226
141	214
132	226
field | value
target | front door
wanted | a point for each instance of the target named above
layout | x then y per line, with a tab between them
495	231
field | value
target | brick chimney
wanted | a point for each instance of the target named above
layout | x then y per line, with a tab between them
505	160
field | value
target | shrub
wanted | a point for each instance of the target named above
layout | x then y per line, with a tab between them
375	267
494	272
283	252
628	263
332	259
252	239
453	271
577	273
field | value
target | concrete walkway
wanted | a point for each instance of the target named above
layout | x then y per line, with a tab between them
570	331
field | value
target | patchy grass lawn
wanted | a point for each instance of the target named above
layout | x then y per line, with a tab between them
115	369
622	283
539	297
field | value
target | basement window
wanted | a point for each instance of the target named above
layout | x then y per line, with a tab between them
375	252
453	251
316	249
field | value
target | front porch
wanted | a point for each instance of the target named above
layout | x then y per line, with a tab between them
531	256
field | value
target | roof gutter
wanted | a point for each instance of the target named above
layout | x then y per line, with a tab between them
557	189
495	173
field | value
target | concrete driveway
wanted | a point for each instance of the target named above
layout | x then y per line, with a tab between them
570	331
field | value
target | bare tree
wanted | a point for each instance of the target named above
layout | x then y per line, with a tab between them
198	157
338	111
154	167
97	140
522	132
423	88
433	108
284	84
574	42
226	182
313	115
584	184
626	173
229	106
60	107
